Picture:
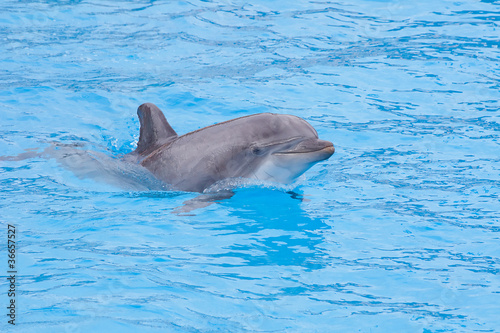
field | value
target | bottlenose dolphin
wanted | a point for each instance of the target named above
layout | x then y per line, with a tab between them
265	146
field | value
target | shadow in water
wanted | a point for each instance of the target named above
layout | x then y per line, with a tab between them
272	229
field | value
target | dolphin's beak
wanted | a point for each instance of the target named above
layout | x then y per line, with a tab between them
329	150
322	147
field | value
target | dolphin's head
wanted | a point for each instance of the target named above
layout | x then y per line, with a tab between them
286	147
287	161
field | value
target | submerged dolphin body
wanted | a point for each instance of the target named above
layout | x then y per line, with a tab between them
265	146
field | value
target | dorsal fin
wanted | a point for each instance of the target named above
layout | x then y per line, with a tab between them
155	129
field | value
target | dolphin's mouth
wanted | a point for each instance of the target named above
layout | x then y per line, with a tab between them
309	146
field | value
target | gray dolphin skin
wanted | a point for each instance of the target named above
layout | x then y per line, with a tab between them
265	146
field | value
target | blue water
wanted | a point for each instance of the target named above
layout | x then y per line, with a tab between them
398	232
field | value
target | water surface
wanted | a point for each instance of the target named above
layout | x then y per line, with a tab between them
397	232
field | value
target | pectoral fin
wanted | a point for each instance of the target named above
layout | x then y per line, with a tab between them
201	201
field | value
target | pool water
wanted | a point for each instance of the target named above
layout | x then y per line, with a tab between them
398	231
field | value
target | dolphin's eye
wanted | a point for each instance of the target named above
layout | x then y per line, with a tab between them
257	151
